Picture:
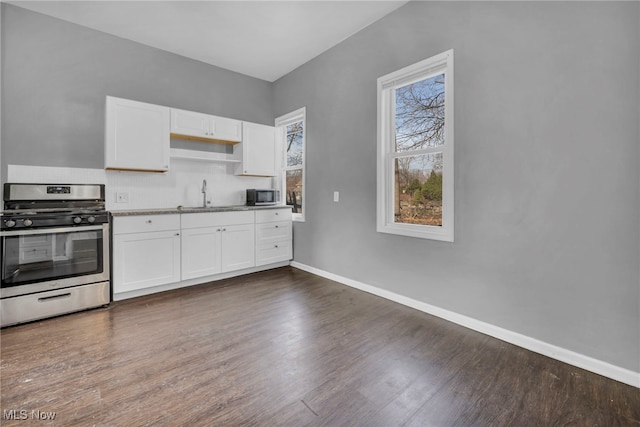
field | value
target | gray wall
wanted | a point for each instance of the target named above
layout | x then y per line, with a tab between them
55	76
546	185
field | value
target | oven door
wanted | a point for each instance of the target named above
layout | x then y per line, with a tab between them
38	260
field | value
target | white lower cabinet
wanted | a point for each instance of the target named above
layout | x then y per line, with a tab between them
273	236
217	242
146	251
201	252
238	245
154	250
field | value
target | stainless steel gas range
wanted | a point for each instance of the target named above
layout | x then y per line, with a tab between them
54	246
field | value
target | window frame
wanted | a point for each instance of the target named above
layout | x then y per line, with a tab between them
386	153
281	123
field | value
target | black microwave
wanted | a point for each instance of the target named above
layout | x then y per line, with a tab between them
262	197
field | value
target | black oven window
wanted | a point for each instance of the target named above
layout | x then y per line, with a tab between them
40	257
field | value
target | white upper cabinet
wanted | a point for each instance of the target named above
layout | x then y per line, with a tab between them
190	123
204	127
136	136
257	150
225	129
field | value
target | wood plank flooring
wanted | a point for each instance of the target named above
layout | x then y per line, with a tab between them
287	348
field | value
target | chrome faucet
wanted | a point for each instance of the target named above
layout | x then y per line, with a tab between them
204	193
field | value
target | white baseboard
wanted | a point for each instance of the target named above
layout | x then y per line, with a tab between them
567	356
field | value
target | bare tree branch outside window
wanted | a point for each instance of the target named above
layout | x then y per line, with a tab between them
419	119
295	150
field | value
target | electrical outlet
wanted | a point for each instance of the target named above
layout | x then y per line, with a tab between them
122	197
336	196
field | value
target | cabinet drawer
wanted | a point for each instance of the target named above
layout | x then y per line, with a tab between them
268	253
52	303
145	223
216	219
273	231
273	215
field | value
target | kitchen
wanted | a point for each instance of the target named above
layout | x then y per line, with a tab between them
527	264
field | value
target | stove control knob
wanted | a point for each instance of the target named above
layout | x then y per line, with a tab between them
27	222
91	219
10	223
77	220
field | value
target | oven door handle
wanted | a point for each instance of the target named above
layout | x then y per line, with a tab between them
54	297
49	230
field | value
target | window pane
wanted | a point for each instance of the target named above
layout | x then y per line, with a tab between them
294	190
418	189
295	127
294	144
420	114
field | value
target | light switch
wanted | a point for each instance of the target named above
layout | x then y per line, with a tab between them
336	196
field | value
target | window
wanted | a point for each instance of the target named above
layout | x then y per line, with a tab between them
292	133
415	150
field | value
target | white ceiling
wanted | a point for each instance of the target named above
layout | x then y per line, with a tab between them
263	39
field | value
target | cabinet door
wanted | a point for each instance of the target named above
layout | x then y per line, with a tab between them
258	150
142	260
136	136
190	123
201	252
238	247
226	129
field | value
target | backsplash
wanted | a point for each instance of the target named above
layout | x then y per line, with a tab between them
181	185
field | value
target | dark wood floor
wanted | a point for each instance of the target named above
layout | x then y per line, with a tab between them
288	348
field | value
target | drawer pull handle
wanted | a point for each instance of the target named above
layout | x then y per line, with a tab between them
276	246
148	221
177	234
277	226
53	297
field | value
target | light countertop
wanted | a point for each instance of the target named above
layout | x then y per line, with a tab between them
186	210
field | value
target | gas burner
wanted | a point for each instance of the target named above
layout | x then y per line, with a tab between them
45	206
50	211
